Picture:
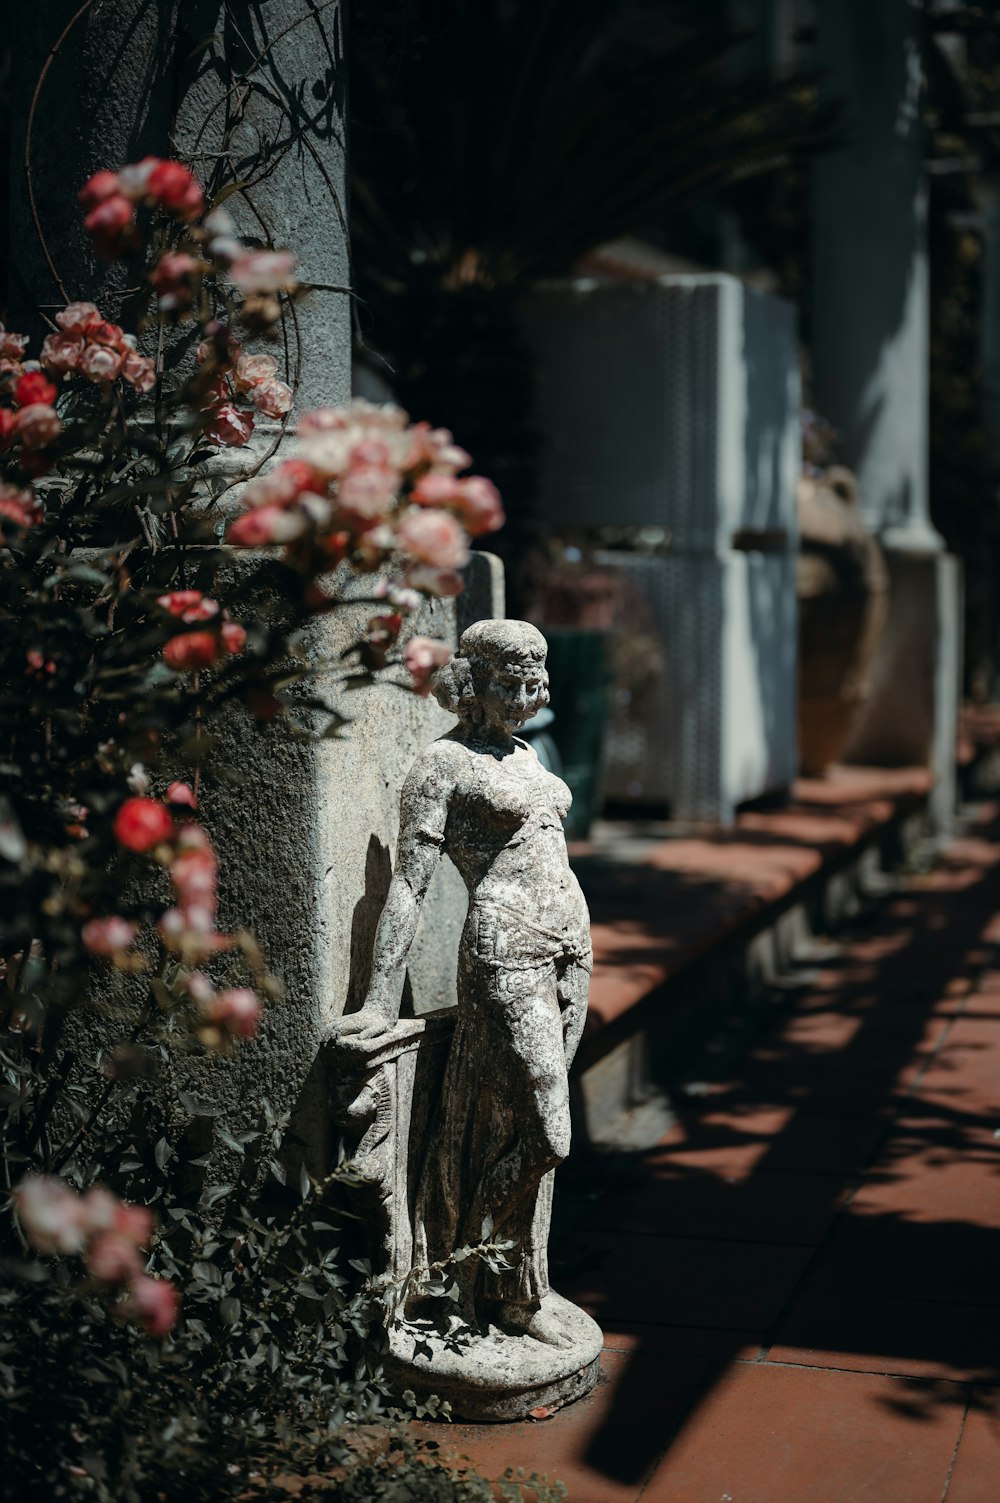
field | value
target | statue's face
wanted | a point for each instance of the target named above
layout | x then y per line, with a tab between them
514	693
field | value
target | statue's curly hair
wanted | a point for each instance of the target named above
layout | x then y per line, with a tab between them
483	647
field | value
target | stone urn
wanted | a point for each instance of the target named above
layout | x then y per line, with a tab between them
843	593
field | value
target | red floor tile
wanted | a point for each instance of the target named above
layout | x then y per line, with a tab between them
604	1447
684	1281
681	1341
784	1435
894	1254
877	1334
793	1208
975	1477
777	1138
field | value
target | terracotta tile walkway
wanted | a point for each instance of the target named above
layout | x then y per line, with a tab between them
800	1285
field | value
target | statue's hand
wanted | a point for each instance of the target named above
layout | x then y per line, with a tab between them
361	1027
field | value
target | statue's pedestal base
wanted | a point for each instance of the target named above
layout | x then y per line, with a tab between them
496	1376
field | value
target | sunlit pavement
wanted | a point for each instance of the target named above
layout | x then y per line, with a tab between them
800	1285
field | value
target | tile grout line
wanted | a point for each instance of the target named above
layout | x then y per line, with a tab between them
958	1441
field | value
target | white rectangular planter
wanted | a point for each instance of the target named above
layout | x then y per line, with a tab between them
674	405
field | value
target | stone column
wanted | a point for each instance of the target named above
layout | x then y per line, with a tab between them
255	95
870	367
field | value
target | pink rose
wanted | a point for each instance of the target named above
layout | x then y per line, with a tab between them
108	936
437	488
99	362
109	223
51	1215
112	1258
431	581
262	271
181	793
76	318
237	1010
171	277
12	346
422	657
103	332
280	486
230	428
322	420
252	369
433	537
133	180
266	524
139	371
154	1303
479	506
96	189
61	352
194	875
38	425
234	638
272	398
368	491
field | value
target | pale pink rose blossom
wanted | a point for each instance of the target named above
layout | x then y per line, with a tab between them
133	180
76	318
272	398
61	352
38	425
437	488
443	583
181	793
108	936
51	1215
262	271
264	525
139	371
12	346
230	428
113	1258
368	491
422	657
329	452
252	369
154	1303
322	420
101	362
479	505
433	537
238	1010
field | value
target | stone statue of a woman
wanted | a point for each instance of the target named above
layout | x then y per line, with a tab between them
503	1120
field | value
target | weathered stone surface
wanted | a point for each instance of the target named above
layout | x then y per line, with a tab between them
487	1122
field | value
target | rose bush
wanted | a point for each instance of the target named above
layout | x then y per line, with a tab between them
162	1336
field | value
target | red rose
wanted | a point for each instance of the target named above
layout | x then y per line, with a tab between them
192	649
142	823
96	189
106	224
33	387
176	189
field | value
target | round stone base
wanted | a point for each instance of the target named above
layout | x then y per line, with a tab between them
494	1376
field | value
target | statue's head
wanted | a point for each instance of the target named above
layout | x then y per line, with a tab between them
497	675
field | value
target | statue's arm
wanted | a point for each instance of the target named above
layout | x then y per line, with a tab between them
423	815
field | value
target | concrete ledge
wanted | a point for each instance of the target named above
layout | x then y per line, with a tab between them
689	927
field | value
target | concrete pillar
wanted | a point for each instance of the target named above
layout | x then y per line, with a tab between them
306	835
870	346
244	93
